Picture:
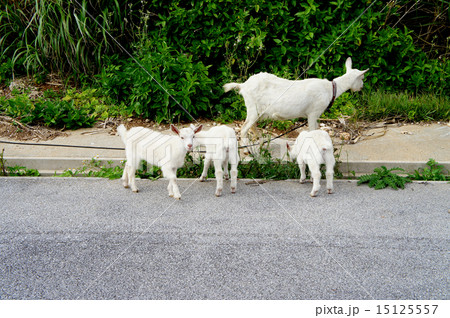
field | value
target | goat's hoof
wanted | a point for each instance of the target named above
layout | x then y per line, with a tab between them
330	191
227	177
233	190
135	190
126	186
313	194
218	193
202	179
177	198
302	181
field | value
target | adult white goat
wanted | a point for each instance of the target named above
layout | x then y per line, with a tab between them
314	148
267	96
164	151
221	148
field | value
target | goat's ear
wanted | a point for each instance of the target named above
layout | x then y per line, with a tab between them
348	64
174	129
363	72
196	130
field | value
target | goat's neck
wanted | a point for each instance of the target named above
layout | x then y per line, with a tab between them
343	84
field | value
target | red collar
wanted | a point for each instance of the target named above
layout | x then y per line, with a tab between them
334	96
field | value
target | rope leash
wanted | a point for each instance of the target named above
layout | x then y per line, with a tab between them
117	148
285	133
57	145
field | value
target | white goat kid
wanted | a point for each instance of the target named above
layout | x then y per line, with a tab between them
267	96
164	151
221	148
314	148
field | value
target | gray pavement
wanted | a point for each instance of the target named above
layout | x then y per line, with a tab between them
407	146
92	239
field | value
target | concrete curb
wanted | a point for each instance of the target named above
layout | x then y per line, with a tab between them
49	166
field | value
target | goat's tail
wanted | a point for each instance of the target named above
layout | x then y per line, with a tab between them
122	131
228	87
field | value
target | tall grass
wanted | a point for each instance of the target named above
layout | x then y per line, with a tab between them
381	104
59	35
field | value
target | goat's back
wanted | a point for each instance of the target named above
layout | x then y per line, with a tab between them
284	98
321	138
154	147
313	143
220	140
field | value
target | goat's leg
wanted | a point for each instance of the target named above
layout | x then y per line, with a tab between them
314	168
329	162
132	178
329	174
252	118
312	121
206	165
219	176
125	177
233	173
225	168
302	166
171	174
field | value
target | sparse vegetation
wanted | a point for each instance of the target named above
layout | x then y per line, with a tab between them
433	172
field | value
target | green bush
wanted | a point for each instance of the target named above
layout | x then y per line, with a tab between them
176	79
193	47
50	112
240	39
20	107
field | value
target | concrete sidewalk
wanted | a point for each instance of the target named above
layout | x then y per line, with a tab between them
406	146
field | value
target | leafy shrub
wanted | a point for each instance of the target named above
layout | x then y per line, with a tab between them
20	107
63	114
285	37
50	112
177	79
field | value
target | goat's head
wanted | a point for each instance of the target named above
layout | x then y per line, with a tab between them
290	151
187	135
356	76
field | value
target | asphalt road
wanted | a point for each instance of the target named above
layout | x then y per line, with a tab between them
93	239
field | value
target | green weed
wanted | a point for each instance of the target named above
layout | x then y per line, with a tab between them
19	171
2	164
95	168
434	172
383	178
